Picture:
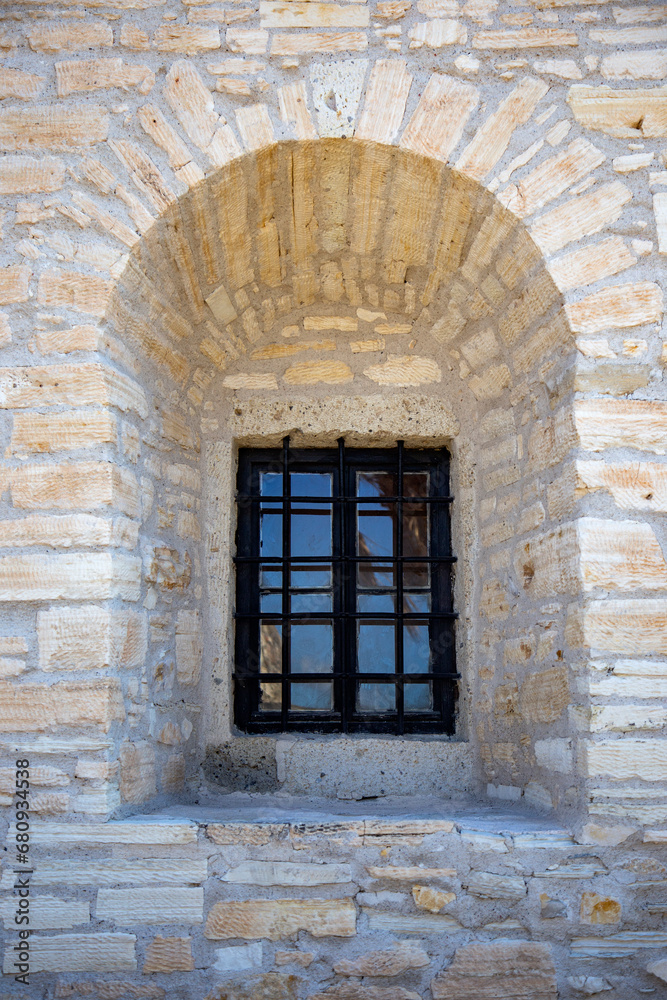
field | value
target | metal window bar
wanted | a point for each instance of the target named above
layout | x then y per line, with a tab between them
346	673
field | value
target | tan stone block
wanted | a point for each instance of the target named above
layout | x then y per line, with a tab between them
98	952
404	370
73	290
344	324
491	383
312	372
612	378
252	834
53	37
440	117
393	922
352	991
137	772
633	485
630	626
394	961
69	531
278	918
36	707
42	776
271	351
553	176
49	127
159	832
544	695
317	41
523	968
602	423
494	136
618	306
76	484
116	871
385	101
628	758
302	958
255	125
524	38
269	873
579	217
640	64
91	638
621	113
82	576
161	132
293	105
30	175
14	83
14	282
47	913
188	38
192	102
252	41
169	954
629	36
591	263
154	905
67	431
101	74
486	885
437	33
188	647
433	900
172	775
134	37
299	14
621	555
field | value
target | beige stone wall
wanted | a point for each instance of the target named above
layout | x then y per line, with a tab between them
207	206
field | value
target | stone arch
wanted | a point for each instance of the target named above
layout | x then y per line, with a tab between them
345	268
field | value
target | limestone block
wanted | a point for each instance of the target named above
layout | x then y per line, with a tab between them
131	832
91	638
658	969
385	101
595	909
489	971
252	41
252	834
73	290
192	102
620	945
161	132
318	41
98	952
640	424
77	75
351	991
169	954
54	37
404	370
297	14
634	627
494	136
80	576
436	33
35	707
293	105
552	178
244	956
69	531
137	772
621	113
591	263
264	873
605	836
14	284
278	918
581	216
152	905
485	885
433	900
46	913
544	695
48	127
524	38
394	961
116	871
313	372
187	38
76	484
30	175
438	121
622	555
628	758
408	873
555	755
14	83
619	306
149	181
344	324
188	647
411	923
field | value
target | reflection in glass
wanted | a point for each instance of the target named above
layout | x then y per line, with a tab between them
416	648
312	697
375	527
376	698
376	647
415	530
312	648
271	651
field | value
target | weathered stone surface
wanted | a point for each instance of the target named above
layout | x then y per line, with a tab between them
507	968
404	955
81	576
169	954
411	923
153	905
36	707
88	384
99	952
91	638
270	986
350	991
622	113
137	772
47	912
50	127
610	423
278	918
433	900
266	873
596	909
132	833
485	885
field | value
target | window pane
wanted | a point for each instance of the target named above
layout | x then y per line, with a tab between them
271	484
375	527
312	603
417	698
271	648
312	697
271	603
270	697
311	576
386	603
312	648
416	648
376	647
376	698
415	530
271	534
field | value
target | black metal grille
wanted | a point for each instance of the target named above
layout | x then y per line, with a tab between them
344	616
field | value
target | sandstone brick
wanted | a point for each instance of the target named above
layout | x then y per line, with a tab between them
172	774
137	772
255	125
640	424
440	117
132	832
633	485
629	758
37	707
278	918
525	38
81	576
73	290
169	954
14	282
612	378
385	101
186	38
481	971
192	102
312	372
154	905
252	41
265	873
99	952
620	626
293	105
69	531
404	370
71	485
318	41
54	37
85	384
640	64
78	75
188	647
116	871
618	306
52	127
581	216
134	37
544	695
621	113
299	14
433	900
48	912
91	638
485	885
553	176
161	132
591	263
394	961
437	33
352	991
14	83
68	431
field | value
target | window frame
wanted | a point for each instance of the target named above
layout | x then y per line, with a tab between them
344	463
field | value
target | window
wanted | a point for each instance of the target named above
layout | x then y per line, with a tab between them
344	623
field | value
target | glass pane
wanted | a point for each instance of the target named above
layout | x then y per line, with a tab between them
311	484
416	648
417	698
271	648
270	577
312	603
312	648
270	697
376	698
312	697
375	527
376	647
311	523
415	530
271	603
271	484
377	602
271	534
311	576
417	601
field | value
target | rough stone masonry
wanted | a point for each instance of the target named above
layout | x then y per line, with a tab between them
441	221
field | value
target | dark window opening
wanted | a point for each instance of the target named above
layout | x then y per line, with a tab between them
344	613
